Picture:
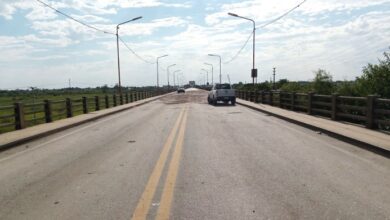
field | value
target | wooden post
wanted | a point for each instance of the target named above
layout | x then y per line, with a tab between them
107	101
85	105
20	123
271	98
256	96
114	99
69	109
309	102
334	106
48	111
121	99
293	95
262	100
371	112
131	97
97	103
127	97
280	99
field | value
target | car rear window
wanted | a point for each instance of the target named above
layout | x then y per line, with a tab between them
222	86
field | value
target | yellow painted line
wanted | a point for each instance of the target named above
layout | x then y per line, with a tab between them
143	206
170	182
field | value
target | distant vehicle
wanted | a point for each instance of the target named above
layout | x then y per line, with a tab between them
181	90
222	92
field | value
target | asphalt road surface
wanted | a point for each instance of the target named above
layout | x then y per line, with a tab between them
180	158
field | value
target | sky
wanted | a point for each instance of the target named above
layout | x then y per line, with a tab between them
42	48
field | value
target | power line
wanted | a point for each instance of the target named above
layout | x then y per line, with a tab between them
281	16
240	50
135	54
262	26
95	28
74	19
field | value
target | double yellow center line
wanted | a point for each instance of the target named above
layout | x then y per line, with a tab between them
145	201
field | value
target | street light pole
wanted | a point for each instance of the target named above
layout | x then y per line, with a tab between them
212	72
157	68
220	66
254	71
117	50
207	76
174	76
168	72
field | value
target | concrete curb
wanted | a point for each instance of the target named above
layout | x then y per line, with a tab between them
359	143
65	127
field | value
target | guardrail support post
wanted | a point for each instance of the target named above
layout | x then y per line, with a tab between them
131	97
280	99
85	105
48	115
20	123
97	103
256	96
293	101
69	110
121	99
271	98
107	101
309	102
334	106
127	97
371	111
114	99
262	97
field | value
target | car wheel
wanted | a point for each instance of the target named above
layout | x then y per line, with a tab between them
208	100
233	102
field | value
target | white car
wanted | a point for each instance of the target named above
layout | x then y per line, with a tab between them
222	92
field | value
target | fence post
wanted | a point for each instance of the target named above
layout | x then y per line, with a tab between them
97	103
262	97
85	105
20	123
371	111
120	99
309	102
48	115
280	99
131	97
293	94
127	97
114	99
334	106
257	96
271	98
107	101
69	109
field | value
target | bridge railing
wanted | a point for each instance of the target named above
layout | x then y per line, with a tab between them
371	111
22	115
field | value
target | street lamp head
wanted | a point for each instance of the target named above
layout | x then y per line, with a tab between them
162	56
137	18
212	55
232	14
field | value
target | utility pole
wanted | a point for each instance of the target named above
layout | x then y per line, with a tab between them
70	85
117	51
254	70
220	66
274	78
157	68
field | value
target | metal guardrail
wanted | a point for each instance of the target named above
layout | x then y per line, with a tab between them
20	116
371	111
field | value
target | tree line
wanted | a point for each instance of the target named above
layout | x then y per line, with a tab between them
375	80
